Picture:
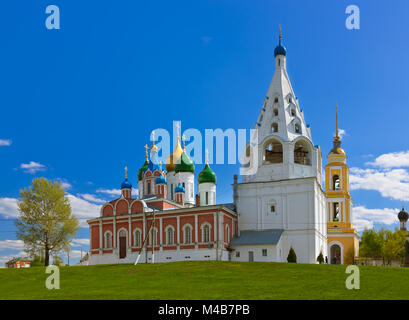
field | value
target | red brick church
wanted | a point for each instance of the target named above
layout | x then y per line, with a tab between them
164	225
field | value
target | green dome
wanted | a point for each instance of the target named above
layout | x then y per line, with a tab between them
185	165
207	175
140	172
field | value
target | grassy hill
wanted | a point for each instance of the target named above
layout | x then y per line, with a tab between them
206	280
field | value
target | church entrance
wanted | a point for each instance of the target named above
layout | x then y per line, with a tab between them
335	254
122	245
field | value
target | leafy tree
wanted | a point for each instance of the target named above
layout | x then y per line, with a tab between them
37	261
57	261
45	221
371	244
292	257
320	258
394	246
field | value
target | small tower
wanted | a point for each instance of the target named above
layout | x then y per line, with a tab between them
141	172
207	185
186	170
161	184
126	186
342	237
151	172
180	193
403	217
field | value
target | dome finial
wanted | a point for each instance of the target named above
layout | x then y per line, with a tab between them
126	172
207	156
279	35
184	142
146	151
336	138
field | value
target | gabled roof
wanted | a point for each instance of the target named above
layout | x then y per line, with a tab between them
251	237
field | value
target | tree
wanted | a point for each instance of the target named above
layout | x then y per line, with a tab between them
394	246
292	257
45	221
37	261
371	244
320	258
57	261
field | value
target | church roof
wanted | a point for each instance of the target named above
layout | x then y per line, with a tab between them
251	237
207	175
185	164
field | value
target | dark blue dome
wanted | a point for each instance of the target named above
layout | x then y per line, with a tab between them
126	184
179	188
280	50
160	180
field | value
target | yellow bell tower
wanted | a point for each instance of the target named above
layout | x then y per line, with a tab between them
343	240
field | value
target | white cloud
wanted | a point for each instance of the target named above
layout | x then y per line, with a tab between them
8	207
117	192
341	133
32	167
112	192
392	184
11	245
5	142
365	218
80	242
392	160
92	198
83	209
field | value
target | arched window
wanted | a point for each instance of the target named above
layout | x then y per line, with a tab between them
227	233
297	128
170	236
137	238
292	112
206	233
273	152
187	235
275	112
276	100
155	237
302	154
274	127
108	240
335	182
336	211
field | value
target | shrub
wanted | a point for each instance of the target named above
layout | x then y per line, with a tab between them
292	257
320	258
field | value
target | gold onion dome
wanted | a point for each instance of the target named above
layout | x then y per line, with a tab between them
174	157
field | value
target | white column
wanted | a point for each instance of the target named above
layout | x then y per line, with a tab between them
215	226
114	222
178	232
129	233
100	236
160	234
196	233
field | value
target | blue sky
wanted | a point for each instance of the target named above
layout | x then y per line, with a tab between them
79	103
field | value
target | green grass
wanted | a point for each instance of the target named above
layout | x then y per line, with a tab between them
206	280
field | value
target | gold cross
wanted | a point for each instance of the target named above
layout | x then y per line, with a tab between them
153	137
177	129
146	151
184	139
207	156
126	172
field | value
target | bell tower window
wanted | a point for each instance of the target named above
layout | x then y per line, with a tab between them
276	112
274	127
335	182
297	128
273	152
336	211
301	153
